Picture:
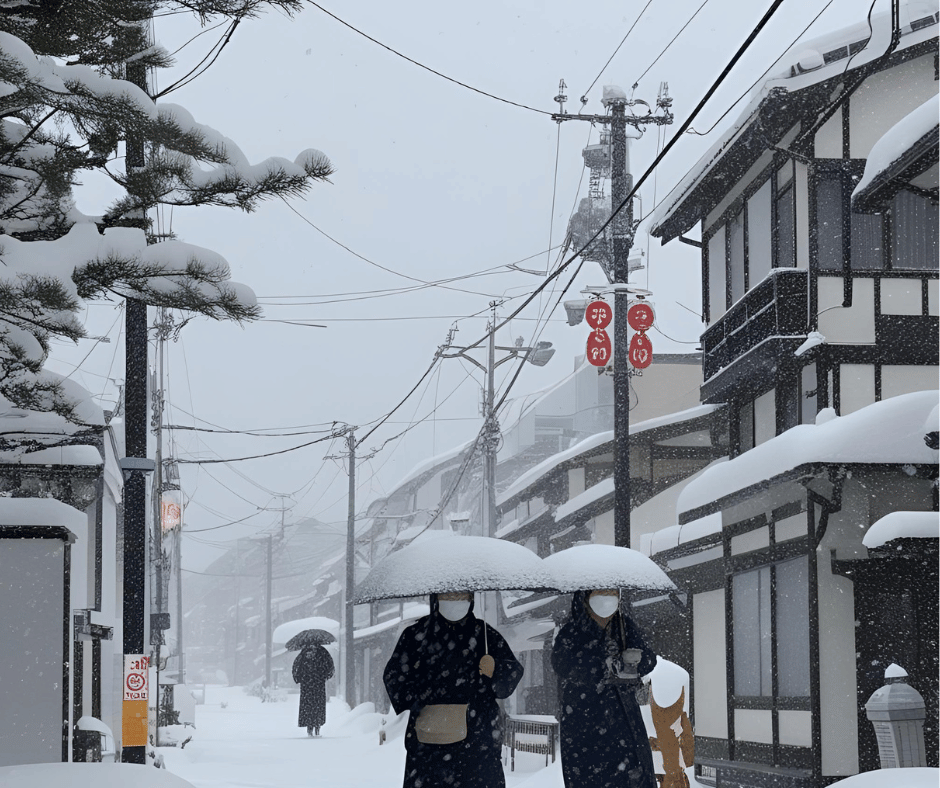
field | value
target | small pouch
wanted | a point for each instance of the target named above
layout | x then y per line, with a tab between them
442	723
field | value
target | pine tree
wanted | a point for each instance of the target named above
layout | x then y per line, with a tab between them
65	109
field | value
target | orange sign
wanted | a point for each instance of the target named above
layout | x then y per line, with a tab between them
136	695
171	511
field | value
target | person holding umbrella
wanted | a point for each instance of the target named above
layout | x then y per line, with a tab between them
311	670
448	669
599	655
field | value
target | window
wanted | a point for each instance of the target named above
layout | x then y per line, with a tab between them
914	232
833	221
785	221
759	261
746	427
751	621
783	587
736	257
808	388
716	275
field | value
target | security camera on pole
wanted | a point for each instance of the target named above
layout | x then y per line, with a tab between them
623	229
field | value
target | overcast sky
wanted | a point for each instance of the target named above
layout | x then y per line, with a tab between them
432	181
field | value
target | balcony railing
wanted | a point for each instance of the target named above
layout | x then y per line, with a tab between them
775	307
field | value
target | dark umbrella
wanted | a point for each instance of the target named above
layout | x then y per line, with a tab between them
309	637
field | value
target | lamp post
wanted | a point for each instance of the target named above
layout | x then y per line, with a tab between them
539	355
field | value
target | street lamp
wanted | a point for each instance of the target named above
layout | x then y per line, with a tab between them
538	355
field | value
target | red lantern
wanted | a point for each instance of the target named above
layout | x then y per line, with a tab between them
598	314
640	317
598	348
641	351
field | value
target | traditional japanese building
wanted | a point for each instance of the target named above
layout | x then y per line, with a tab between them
818	218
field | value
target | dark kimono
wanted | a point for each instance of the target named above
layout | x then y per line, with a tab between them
437	661
603	740
311	669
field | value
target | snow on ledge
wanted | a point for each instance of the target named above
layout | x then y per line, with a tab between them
899	525
589	496
41	511
890	431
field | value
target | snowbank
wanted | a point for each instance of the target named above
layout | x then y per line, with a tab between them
88	775
921	777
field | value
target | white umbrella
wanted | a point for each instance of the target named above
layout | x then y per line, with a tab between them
454	563
591	566
289	629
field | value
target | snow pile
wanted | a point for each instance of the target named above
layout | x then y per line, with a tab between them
288	629
917	777
41	511
88	775
900	138
890	431
604	566
901	525
456	563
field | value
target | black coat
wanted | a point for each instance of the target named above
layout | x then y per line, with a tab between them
437	661
311	669
604	743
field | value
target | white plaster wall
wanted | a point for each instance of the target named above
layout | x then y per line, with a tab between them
837	686
933	301
759	166
765	417
828	139
899	379
754	725
901	297
852	325
575	482
886	97
665	388
716	276
710	701
604	528
857	387
796	728
428	495
802	215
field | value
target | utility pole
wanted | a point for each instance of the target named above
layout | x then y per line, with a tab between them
539	355
134	466
349	660
269	629
623	230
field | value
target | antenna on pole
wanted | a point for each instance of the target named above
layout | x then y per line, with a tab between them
561	98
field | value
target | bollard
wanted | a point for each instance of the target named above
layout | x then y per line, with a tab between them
897	712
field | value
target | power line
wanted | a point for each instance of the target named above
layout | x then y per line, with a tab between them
671	42
622	42
427	68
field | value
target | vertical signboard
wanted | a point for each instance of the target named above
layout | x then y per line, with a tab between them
136	695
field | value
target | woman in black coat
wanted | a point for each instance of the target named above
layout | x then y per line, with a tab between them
604	743
445	658
311	669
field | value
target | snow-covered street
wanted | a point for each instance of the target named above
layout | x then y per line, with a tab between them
250	744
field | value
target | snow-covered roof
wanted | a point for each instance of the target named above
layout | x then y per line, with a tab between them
800	67
55	455
430	464
899	525
591	495
675	535
890	431
41	511
534	474
908	137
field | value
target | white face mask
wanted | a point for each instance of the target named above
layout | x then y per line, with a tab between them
604	605
454	609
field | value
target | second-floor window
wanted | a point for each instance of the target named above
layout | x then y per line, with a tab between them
836	223
914	231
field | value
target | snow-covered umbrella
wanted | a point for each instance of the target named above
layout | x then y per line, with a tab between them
309	637
454	563
289	629
591	566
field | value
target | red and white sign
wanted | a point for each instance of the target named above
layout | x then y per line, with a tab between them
640	317
136	677
641	351
171	510
599	351
598	314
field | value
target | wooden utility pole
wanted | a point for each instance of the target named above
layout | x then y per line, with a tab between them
349	661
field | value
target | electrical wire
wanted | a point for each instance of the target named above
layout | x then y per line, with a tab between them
671	42
622	42
754	84
379	265
427	68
